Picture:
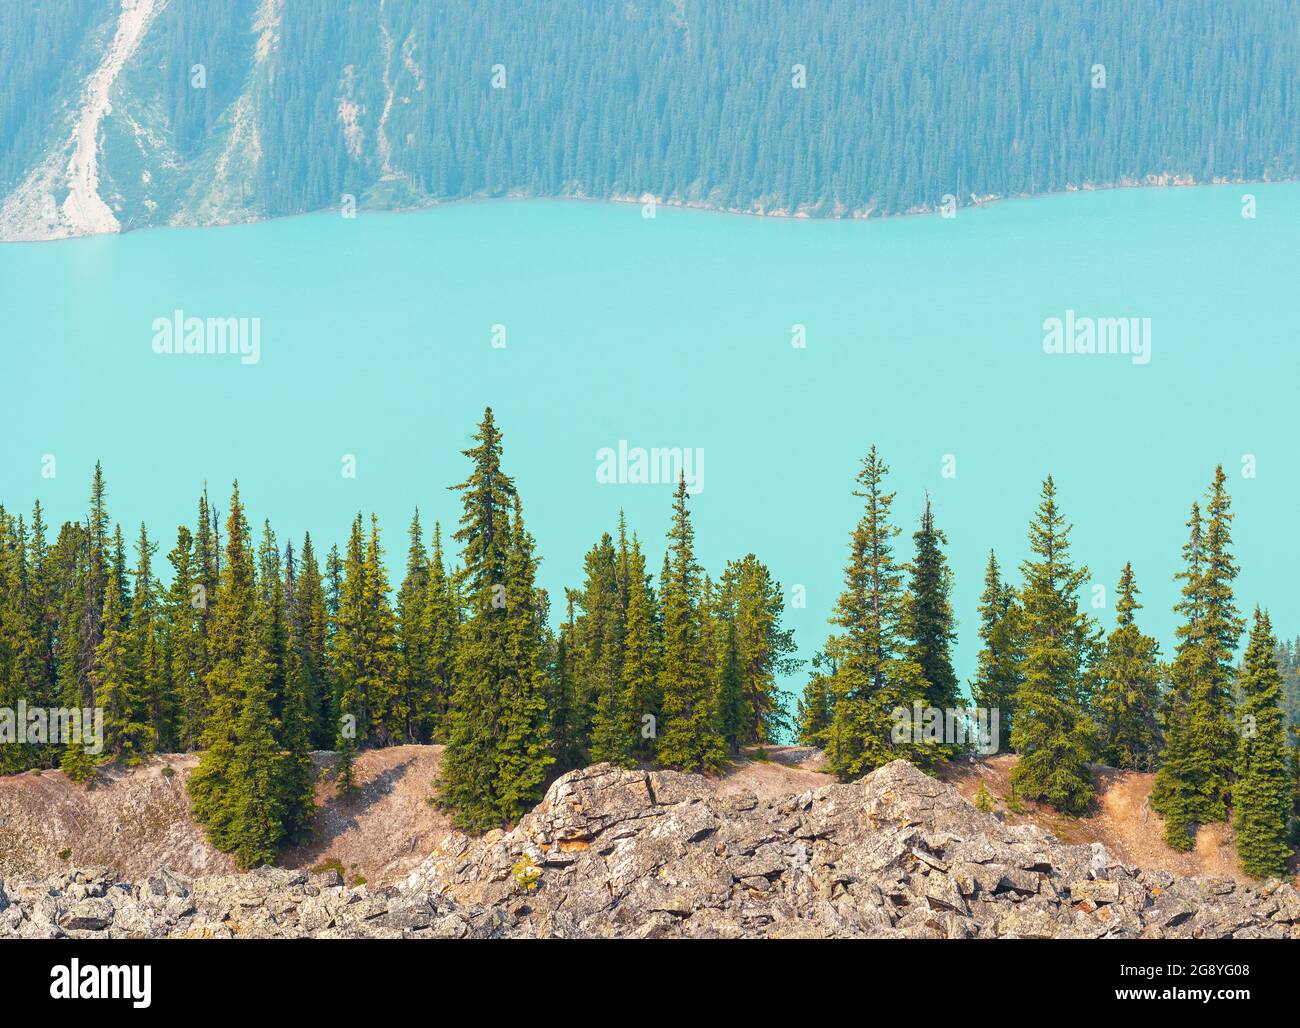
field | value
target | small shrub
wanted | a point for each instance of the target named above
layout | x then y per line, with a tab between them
760	754
169	772
325	866
358	879
526	873
983	800
1012	800
65	853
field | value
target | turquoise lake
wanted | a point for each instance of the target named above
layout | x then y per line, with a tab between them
923	336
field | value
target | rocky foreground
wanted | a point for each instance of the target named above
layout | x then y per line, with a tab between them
621	853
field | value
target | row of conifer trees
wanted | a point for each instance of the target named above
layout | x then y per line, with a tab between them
1068	693
256	655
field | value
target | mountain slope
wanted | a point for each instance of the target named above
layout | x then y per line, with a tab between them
621	853
179	112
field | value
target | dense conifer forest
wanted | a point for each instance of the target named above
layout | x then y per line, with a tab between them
828	107
255	652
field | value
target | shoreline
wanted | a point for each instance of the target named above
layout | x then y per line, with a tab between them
988	201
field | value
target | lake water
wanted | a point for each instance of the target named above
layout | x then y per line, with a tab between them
923	336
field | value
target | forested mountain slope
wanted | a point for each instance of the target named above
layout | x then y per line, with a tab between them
116	114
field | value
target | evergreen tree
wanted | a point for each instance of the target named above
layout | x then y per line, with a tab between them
414	675
184	641
386	702
524	745
599	658
128	734
1264	793
764	648
472	777
689	739
871	678
146	657
308	642
1129	696
216	788
816	705
641	696
299	704
999	670
1193	781
441	617
561	696
1052	732
928	618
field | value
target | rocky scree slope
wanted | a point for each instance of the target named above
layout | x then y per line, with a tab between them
619	853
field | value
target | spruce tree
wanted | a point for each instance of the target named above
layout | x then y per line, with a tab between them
1263	795
689	738
471	782
1193	781
118	690
524	745
1129	696
872	677
928	618
308	641
146	658
999	665
184	641
816	706
441	610
599	658
389	716
414	675
215	787
1052	732
641	696
561	694
754	605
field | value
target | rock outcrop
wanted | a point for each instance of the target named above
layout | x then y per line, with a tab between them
619	853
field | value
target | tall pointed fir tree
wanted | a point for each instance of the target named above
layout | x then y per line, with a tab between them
441	612
688	734
184	641
308	641
127	733
999	667
599	657
1052	732
764	648
145	649
1263	795
872	678
414	675
216	789
348	658
389	717
472	782
1192	785
299	703
1128	698
561	694
641	696
928	619
524	745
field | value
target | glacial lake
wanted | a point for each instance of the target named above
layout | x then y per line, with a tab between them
380	339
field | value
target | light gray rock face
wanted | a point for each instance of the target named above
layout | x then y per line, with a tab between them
615	853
